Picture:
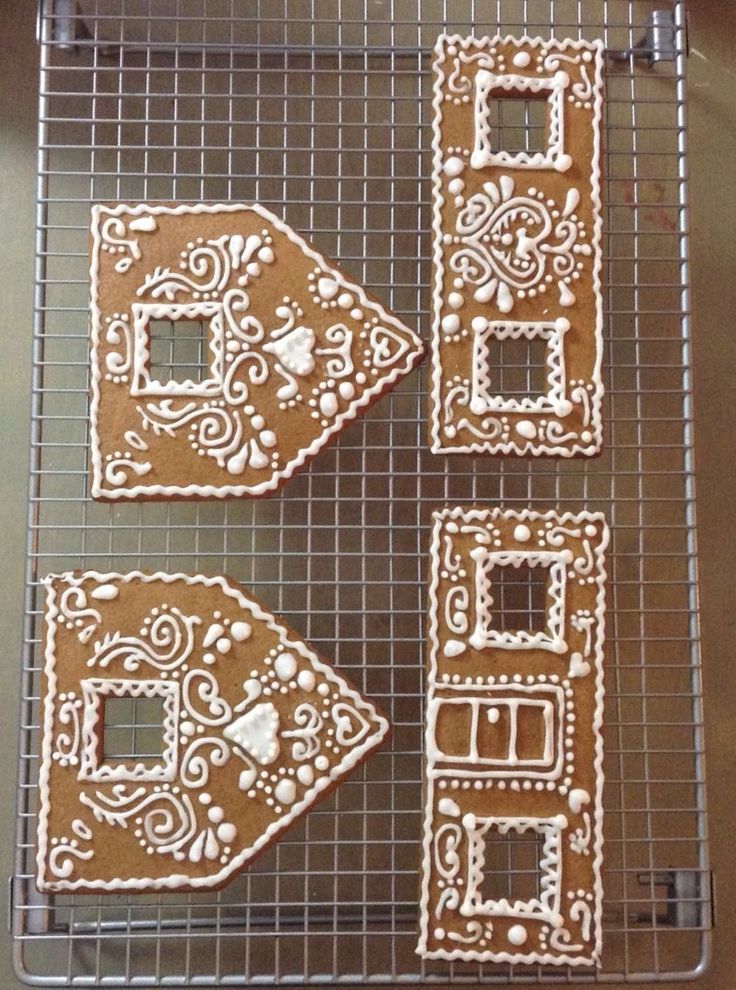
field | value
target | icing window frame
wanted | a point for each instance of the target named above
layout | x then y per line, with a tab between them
93	766
486	84
143	383
547	906
554	400
484	635
516	695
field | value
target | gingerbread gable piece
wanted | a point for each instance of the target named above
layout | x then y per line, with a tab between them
225	351
241	728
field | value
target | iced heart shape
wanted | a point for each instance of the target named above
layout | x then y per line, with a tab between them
256	732
294	350
578	666
351	726
388	347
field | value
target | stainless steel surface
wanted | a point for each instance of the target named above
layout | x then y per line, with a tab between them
321	111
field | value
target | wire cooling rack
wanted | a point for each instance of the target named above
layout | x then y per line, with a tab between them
320	109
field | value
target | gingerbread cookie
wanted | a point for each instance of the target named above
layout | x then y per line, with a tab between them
517	307
227	728
226	351
514	776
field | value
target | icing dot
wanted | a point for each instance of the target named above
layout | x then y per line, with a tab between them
322	763
306	680
285	791
453	167
285	666
240	631
522	533
517	935
455	300
328	404
226	832
521	60
451	323
305	775
526	429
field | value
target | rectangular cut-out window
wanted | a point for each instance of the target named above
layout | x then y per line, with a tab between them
519	600
535	115
133	729
517	123
517	367
179	350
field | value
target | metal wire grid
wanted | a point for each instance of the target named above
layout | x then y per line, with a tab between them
321	110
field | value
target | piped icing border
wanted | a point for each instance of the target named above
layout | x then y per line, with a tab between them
453	831
81	613
409	351
531	435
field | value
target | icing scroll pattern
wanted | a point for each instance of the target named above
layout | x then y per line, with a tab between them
281	374
517	250
512	739
250	719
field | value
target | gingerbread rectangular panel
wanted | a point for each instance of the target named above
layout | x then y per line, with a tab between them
513	817
517	307
226	351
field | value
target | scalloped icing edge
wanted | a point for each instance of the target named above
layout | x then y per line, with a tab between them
413	356
522	515
274	830
596	399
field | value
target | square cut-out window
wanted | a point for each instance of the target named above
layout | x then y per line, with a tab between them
517	367
514	864
129	730
519	598
133	729
179	350
511	866
517	123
